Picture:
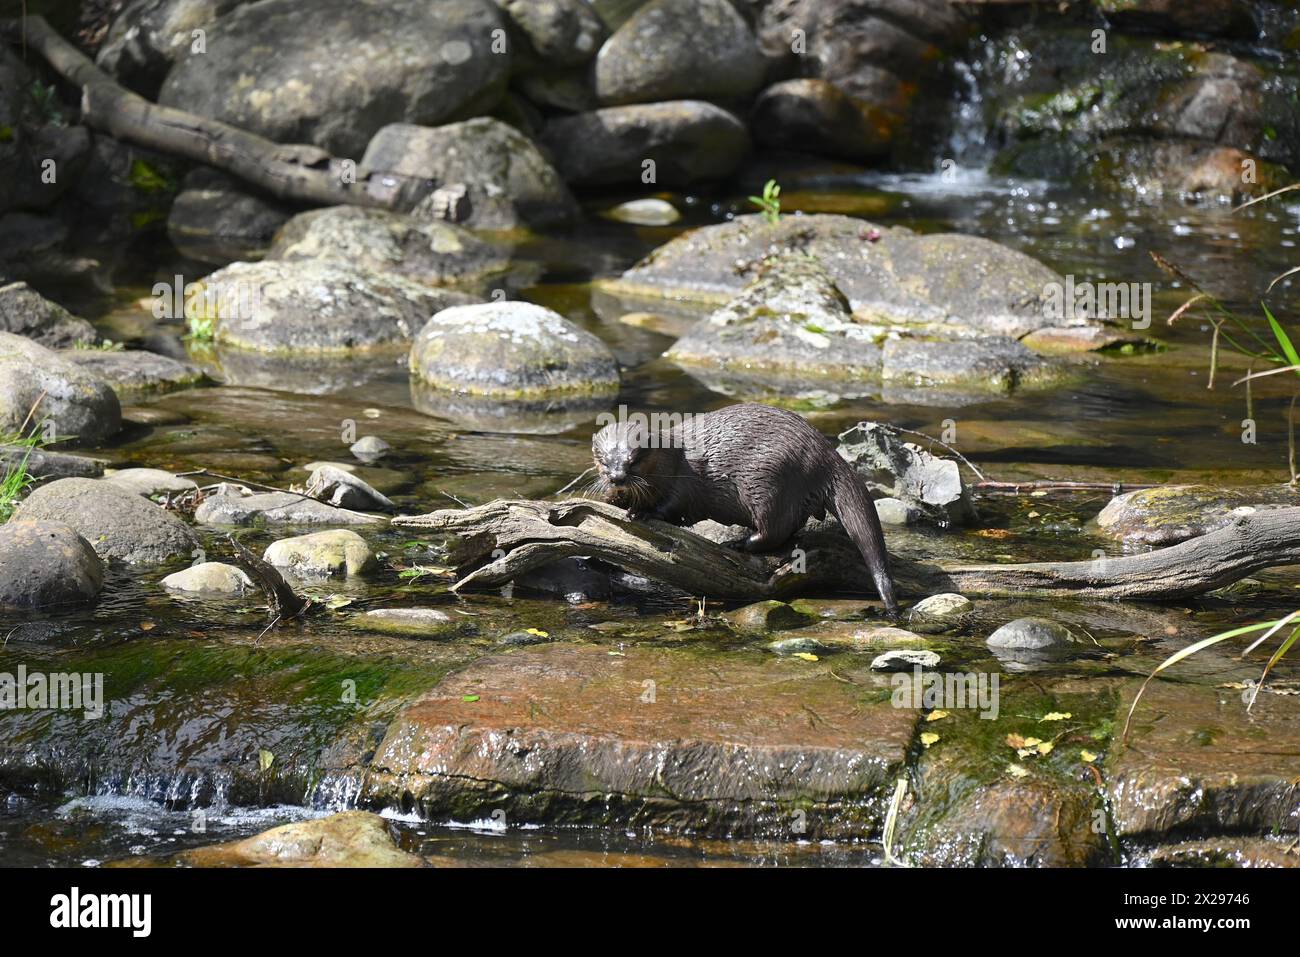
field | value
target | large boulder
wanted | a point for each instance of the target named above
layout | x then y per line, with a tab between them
376	239
507	182
512	351
815	116
25	312
678	50
316	307
45	564
118	523
41	389
943	284
683	141
148	36
564	33
312	71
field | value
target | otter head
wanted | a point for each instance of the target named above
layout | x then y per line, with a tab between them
628	465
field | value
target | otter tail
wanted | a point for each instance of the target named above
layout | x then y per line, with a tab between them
856	512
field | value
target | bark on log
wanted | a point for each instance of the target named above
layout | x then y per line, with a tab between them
494	543
293	172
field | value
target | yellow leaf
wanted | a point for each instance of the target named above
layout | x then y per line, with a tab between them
265	759
538	632
1033	742
1046	747
1055	716
1015	741
1088	756
928	738
936	715
1016	771
805	656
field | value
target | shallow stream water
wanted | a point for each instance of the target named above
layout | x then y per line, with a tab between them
202	678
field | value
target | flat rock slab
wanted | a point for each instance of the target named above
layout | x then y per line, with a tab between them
1197	762
649	737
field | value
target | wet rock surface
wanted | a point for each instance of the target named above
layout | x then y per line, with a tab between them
136	370
511	351
905	471
46	564
118	523
603	754
1198	762
337	552
210	578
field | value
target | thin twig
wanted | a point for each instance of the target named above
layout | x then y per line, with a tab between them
576	481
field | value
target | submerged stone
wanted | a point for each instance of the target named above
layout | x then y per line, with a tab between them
275	508
767	616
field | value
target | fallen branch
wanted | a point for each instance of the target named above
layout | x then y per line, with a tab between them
495	543
284	602
294	172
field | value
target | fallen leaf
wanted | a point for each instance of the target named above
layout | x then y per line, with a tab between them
147	625
471	698
265	759
538	632
1056	716
928	738
1015	741
936	716
1016	771
1045	747
1087	756
805	656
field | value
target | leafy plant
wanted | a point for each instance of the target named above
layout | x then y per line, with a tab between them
15	480
1270	628
202	328
769	203
47	101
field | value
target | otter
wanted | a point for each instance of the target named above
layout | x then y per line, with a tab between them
751	465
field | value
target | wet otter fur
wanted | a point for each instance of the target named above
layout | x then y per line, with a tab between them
751	465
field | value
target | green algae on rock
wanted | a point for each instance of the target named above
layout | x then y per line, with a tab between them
1170	514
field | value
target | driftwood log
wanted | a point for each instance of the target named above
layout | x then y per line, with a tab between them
495	543
294	172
